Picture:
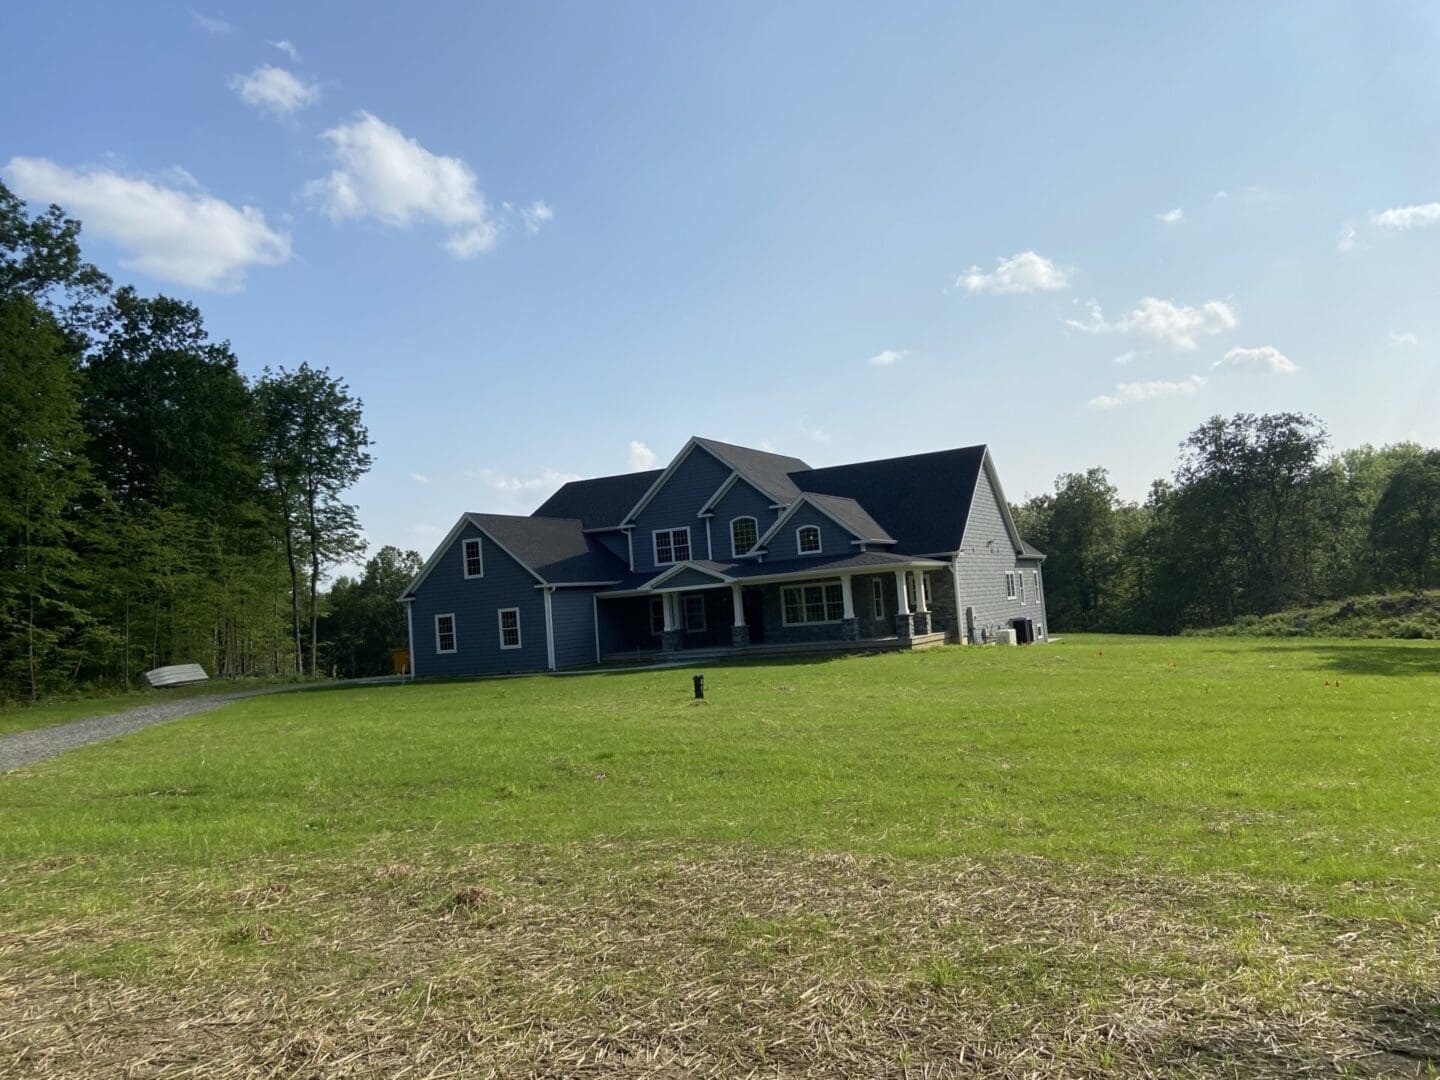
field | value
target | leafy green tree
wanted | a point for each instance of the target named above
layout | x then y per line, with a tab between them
315	448
1405	528
40	259
363	622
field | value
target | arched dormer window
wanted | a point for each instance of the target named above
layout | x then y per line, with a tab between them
807	540
744	533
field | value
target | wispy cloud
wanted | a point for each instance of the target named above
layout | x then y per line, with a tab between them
535	215
1401	338
210	24
1171	217
818	434
1349	237
275	90
1025	272
1127	357
1265	359
420	478
288	48
889	357
1419	216
1131	392
639	456
178	234
1163	321
547	479
383	175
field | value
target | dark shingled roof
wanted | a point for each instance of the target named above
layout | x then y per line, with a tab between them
861	560
921	500
555	548
1030	551
600	503
852	515
769	472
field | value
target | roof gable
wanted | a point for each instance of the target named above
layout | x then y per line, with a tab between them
768	472
845	512
601	502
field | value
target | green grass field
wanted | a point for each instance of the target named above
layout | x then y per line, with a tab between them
1184	856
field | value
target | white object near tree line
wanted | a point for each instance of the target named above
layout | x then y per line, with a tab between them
175	675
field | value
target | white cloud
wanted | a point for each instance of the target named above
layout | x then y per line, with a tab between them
188	237
640	457
547	479
211	25
1127	357
1419	216
1221	195
1348	237
1400	338
818	434
420	478
275	90
1263	358
1131	392
1164	322
288	48
386	176
536	214
1024	272
889	357
1171	217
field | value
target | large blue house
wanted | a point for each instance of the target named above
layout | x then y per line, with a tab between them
731	549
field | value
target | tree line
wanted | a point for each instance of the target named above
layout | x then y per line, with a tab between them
156	505
1259	516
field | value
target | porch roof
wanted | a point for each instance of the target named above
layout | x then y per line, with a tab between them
748	570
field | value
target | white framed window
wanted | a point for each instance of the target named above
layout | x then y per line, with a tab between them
807	539
445	633
1035	584
806	605
1010	584
1020	581
877	598
694	614
671	546
509	618
657	616
744	533
474	561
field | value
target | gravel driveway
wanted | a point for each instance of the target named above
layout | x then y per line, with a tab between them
26	747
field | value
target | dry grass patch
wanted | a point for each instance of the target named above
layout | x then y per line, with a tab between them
669	960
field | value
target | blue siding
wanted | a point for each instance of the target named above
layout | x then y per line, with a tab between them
690	579
573	614
475	603
834	540
613	541
741	500
676	504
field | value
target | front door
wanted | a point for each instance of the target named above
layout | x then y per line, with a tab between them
753	603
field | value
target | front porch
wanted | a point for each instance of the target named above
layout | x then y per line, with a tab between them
702	611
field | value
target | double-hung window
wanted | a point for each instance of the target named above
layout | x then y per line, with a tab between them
1010	584
474	561
1020	581
802	605
1035	584
744	533
694	614
671	546
807	539
444	633
509	627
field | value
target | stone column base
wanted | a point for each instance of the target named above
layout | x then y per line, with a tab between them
671	640
904	626
922	622
849	630
740	636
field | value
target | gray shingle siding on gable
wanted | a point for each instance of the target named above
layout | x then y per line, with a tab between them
475	603
987	554
833	539
573	614
741	500
675	505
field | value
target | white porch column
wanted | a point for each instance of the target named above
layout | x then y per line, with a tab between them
737	604
668	601
848	595
922	605
902	602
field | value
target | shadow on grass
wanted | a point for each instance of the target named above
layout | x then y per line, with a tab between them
1359	658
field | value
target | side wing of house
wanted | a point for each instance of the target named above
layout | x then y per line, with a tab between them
994	582
488	623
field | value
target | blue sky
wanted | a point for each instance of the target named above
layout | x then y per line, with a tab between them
532	235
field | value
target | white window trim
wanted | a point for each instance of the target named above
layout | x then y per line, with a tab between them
1009	584
454	634
685	614
819	541
877	598
465	557
654	601
826	585
734	552
655	550
500	627
1020	584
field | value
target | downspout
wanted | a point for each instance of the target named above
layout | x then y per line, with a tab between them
549	629
410	631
